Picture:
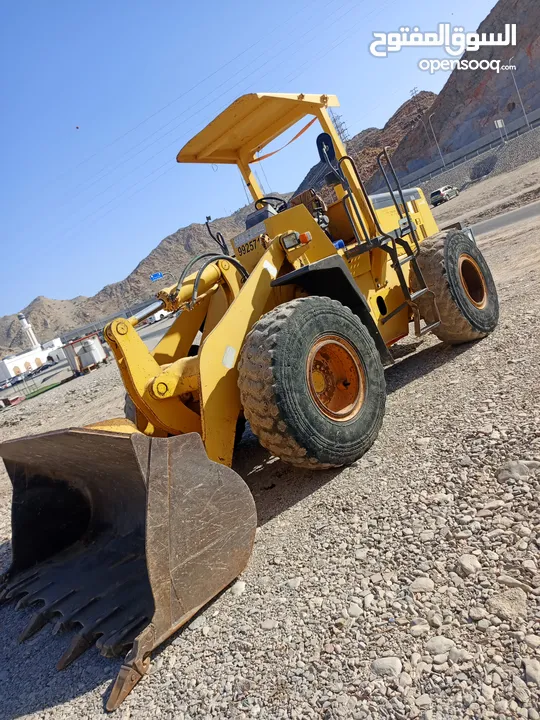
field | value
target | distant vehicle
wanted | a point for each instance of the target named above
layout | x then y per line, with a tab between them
40	369
5	384
156	317
443	194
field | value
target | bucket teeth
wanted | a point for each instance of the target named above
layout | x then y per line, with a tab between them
22	602
39	621
79	645
29	598
108	644
59	627
20	580
4	590
126	680
121	539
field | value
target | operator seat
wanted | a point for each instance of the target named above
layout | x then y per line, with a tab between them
316	206
311	199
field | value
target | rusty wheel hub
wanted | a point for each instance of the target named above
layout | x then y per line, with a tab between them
336	377
473	282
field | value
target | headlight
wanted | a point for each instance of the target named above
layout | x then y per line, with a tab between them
291	240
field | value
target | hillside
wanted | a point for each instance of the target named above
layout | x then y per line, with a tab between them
365	146
470	101
53	317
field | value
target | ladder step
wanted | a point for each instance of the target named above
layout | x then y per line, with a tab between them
429	328
394	312
405	259
419	293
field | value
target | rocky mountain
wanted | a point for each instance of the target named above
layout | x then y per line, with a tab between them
367	144
51	318
471	100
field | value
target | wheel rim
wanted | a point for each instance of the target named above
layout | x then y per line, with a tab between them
473	282
336	377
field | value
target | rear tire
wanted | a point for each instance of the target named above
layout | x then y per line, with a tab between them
465	292
312	383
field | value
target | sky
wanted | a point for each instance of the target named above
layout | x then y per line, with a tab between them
98	98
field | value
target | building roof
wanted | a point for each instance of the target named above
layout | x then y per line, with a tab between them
25	354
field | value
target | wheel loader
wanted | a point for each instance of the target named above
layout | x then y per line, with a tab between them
123	530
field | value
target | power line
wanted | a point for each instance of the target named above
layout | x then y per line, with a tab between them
298	74
127	152
340	42
248	199
261	165
142	188
186	92
258	178
286	60
73	227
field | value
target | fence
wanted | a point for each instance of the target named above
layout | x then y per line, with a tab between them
474	149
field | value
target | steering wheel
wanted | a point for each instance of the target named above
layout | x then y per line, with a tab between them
277	203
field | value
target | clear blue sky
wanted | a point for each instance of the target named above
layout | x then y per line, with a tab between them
80	207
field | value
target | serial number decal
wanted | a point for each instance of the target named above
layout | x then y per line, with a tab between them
247	247
252	233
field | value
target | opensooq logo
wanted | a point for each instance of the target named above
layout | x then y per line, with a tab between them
455	41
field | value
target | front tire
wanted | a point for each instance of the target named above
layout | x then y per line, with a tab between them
312	383
456	271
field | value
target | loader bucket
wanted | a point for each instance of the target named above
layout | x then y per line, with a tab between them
122	538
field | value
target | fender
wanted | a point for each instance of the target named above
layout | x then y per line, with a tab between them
330	277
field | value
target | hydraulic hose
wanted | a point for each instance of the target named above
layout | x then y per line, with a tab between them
188	267
237	264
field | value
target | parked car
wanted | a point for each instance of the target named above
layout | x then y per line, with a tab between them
4	384
156	317
443	194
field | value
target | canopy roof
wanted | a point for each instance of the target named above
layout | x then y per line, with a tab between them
248	124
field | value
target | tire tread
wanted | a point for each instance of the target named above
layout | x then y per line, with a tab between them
257	386
454	327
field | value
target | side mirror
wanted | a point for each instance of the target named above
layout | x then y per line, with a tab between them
325	146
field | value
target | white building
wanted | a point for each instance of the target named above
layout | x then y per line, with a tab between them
30	334
30	359
55	349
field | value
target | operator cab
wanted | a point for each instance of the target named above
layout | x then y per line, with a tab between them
239	134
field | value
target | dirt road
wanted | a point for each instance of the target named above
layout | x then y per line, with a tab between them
404	586
483	200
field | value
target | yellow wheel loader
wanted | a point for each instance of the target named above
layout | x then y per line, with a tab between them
123	530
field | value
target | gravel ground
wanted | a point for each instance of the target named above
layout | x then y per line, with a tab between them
404	586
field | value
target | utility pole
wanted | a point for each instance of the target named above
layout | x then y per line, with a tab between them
340	126
413	94
435	138
518	93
